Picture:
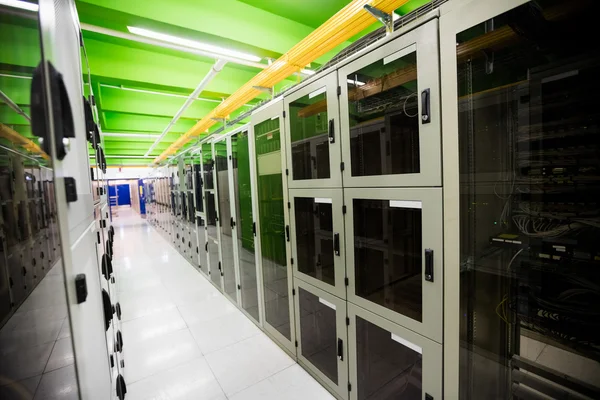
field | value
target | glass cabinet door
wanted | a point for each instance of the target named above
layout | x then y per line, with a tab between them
312	124
524	127
202	245
244	223
226	220
388	361
317	237
322	336
389	111
270	206
394	255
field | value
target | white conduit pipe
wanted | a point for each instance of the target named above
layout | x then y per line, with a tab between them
216	68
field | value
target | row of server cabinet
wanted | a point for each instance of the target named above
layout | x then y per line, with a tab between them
419	221
60	318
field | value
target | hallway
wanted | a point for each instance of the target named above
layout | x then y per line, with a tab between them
183	339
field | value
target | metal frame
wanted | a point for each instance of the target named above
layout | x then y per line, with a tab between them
337	199
330	83
341	388
425	37
218	225
456	16
272	110
432	292
431	351
233	191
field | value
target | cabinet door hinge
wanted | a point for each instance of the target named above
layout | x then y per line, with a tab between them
289	205
283	113
347	321
292	260
344	209
339	91
346	281
342	166
287	171
349	387
293	291
296	343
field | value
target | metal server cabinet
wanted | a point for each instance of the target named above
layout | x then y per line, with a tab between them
520	175
60	34
267	144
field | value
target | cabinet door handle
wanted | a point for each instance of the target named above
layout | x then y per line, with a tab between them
331	131
425	106
429	265
336	244
340	349
287	232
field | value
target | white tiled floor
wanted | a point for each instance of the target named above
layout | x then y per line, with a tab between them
183	339
36	353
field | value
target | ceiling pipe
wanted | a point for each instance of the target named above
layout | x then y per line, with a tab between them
14	106
216	68
159	43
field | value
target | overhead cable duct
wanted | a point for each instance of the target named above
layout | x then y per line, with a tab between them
347	22
216	68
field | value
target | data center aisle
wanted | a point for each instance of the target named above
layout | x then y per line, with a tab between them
183	339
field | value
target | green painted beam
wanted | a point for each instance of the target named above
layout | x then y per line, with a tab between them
119	122
228	19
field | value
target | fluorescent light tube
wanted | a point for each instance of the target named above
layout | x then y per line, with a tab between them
355	83
306	71
192	44
23	5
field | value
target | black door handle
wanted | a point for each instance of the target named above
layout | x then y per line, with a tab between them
254	228
340	349
336	244
232	222
287	232
425	106
429	265
331	131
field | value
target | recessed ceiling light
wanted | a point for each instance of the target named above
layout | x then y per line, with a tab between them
23	5
192	44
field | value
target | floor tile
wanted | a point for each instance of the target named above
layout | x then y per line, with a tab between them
154	325
205	311
223	331
60	384
65	330
148	357
24	363
29	336
293	383
247	362
189	381
61	356
22	390
142	304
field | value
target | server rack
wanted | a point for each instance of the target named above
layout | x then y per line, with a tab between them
520	169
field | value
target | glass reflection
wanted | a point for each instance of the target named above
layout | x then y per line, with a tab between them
383	115
272	225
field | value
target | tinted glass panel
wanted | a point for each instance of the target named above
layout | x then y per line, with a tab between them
383	116
529	140
314	237
386	367
245	235
202	255
33	304
222	172
310	136
387	255
318	333
207	166
272	225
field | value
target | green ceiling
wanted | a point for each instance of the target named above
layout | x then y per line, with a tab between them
266	28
